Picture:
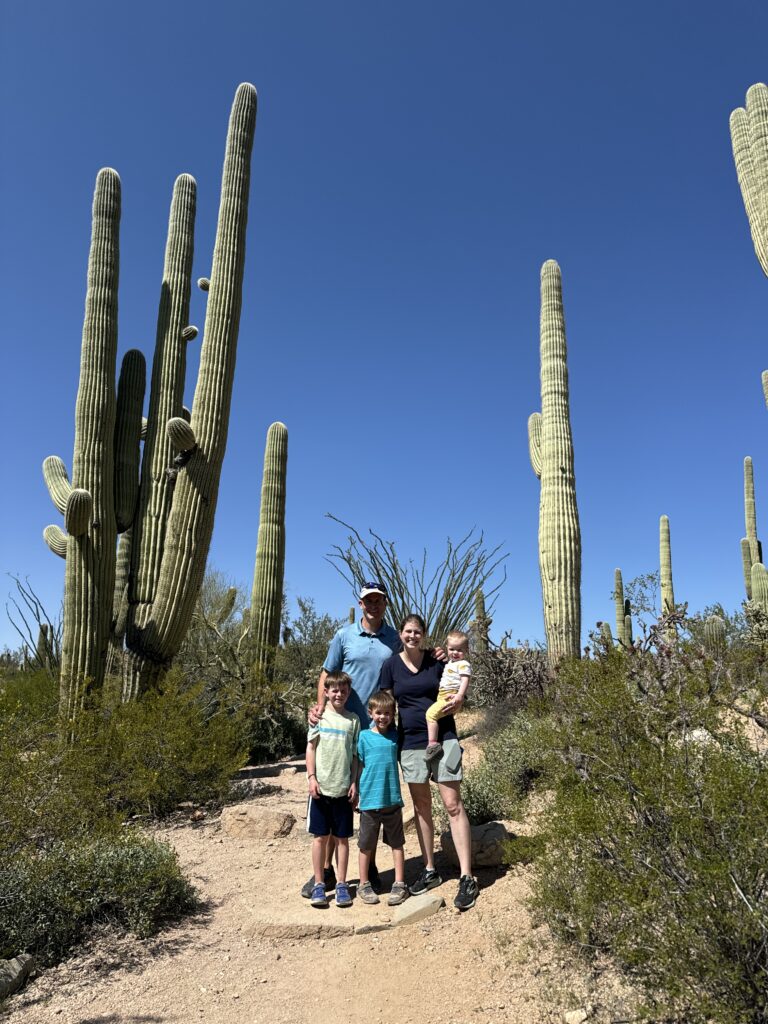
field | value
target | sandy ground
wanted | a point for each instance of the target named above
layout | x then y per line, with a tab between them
259	953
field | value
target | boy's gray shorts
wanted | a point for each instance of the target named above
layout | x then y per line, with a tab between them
446	769
370	823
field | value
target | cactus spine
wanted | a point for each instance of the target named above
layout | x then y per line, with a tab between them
623	611
267	593
751	548
161	609
551	451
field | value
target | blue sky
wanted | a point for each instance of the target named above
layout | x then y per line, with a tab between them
414	165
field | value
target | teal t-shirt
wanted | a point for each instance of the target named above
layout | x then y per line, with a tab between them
380	780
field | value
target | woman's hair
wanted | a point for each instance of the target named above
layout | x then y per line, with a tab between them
382	700
337	679
459	639
413	617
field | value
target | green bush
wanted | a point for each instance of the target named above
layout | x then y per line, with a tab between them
48	899
655	842
496	787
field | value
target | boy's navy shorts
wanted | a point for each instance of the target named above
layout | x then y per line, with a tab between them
330	815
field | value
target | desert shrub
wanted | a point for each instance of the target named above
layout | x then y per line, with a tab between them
655	840
510	677
49	898
496	787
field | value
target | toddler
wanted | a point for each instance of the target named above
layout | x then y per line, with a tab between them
453	689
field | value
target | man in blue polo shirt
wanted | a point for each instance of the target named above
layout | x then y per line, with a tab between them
359	649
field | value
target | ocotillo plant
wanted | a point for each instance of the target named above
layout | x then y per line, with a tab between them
551	451
749	131
751	548
623	611
267	594
159	615
171	530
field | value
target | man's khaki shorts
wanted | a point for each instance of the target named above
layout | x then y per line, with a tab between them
446	769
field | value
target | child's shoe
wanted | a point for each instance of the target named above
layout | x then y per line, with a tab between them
343	899
398	895
329	877
318	897
433	751
366	893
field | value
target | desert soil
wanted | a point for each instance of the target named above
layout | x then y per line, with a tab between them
259	953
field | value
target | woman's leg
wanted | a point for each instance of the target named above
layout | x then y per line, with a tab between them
421	794
450	793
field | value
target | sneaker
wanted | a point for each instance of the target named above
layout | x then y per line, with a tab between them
467	894
428	879
366	894
317	897
398	895
329	879
433	752
343	899
373	877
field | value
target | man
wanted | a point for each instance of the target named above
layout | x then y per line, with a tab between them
359	649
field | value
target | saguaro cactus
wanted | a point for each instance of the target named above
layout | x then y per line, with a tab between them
160	616
551	451
665	560
267	594
163	552
749	132
751	548
714	635
481	624
623	611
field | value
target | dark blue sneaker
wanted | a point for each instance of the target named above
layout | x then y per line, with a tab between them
428	879
318	897
343	899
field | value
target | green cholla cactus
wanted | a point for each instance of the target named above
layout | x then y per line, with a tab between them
623	611
551	451
665	559
170	520
749	131
267	594
480	626
751	548
714	635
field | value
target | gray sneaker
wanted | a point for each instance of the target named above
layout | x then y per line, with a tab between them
398	895
366	894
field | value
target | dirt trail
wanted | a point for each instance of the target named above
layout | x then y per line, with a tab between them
231	965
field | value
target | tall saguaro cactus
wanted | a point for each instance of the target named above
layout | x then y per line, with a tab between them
157	624
665	565
623	611
551	451
167	516
267	593
749	137
751	548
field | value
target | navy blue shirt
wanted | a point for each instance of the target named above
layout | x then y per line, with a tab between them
414	692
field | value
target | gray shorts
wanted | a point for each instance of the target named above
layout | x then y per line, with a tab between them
446	769
391	818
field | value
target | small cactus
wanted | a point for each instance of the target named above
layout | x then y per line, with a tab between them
751	548
714	635
352	615
481	624
623	611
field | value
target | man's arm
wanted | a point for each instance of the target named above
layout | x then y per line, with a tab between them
316	711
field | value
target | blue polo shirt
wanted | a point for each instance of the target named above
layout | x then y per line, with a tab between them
361	655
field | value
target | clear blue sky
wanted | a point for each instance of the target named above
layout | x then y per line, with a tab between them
415	163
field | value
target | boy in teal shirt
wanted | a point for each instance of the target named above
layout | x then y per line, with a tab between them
381	803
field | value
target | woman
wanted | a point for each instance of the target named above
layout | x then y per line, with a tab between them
413	675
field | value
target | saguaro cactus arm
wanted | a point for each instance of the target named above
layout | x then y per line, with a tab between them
267	593
534	442
57	482
56	540
130	399
749	137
